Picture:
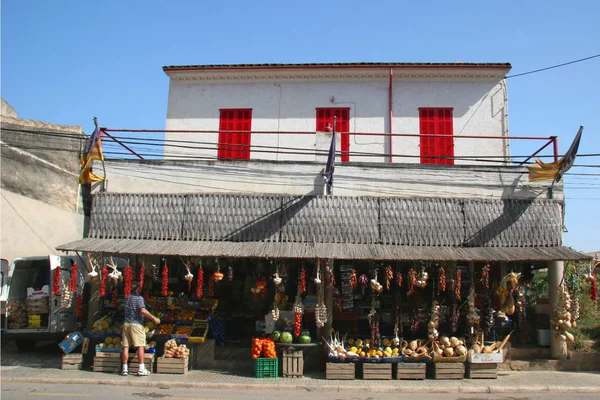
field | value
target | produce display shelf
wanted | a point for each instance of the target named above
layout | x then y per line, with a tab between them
199	339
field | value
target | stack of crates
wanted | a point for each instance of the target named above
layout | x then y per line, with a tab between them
35	321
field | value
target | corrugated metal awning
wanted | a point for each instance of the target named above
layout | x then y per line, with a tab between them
346	251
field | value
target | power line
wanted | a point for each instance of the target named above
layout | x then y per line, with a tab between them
554	66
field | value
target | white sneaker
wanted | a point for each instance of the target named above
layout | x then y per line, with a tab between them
143	372
124	372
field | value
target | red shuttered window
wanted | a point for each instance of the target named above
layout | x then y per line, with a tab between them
436	121
235	125
325	116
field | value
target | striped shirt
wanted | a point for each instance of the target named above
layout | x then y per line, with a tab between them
133	304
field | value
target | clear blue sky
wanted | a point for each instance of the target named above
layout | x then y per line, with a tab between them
67	61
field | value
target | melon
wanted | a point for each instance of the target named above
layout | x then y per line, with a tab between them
286	337
276	336
303	339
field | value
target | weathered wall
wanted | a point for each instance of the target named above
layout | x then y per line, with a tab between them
405	180
41	205
287	104
34	228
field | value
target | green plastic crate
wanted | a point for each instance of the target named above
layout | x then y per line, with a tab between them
266	367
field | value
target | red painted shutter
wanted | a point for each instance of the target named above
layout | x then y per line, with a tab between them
325	115
235	126
436	121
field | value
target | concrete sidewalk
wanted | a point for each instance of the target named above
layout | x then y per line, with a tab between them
507	382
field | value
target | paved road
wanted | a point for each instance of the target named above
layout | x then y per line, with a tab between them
65	391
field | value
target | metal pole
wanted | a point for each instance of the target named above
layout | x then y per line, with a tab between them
558	348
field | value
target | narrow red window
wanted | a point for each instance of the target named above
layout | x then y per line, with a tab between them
234	134
325	116
436	149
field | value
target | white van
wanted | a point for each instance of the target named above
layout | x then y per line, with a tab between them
32	278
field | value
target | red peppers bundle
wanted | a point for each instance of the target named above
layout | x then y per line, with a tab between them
200	283
302	281
441	281
375	333
485	277
103	276
211	287
363	280
458	284
128	277
78	305
73	282
399	278
353	280
297	324
165	281
114	296
389	276
142	274
56	281
412	280
594	291
263	294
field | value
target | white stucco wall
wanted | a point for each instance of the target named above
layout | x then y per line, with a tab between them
34	228
288	105
354	179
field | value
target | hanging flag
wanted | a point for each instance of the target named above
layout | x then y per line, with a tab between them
541	171
330	167
92	151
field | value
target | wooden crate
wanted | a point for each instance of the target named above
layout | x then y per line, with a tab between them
411	370
293	363
344	371
172	365
372	371
449	370
482	370
72	361
107	364
134	364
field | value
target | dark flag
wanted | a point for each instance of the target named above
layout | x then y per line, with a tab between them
330	167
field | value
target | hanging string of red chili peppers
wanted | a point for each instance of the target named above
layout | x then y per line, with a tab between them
441	287
302	284
165	281
297	324
353	280
412	280
115	294
56	281
73	282
399	278
200	283
142	274
128	277
78	305
103	276
458	284
389	277
211	287
485	277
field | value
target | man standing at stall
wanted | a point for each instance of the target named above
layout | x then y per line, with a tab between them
133	329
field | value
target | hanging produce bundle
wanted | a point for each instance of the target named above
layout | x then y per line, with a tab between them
142	275
155	273
575	311
230	273
562	320
441	287
275	311
128	277
93	273
353	280
115	274
389	277
399	278
330	270
485	277
297	324
78	306
397	326
263	284
591	278
114	299
318	276
454	317
103	276
56	281
487	316
363	280
458	285
421	278
375	286
472	313
302	283
374	325
200	283
320	313
211	288
277	279
434	321
164	291
94	260
505	291
66	297
189	277
412	281
218	275
73	282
